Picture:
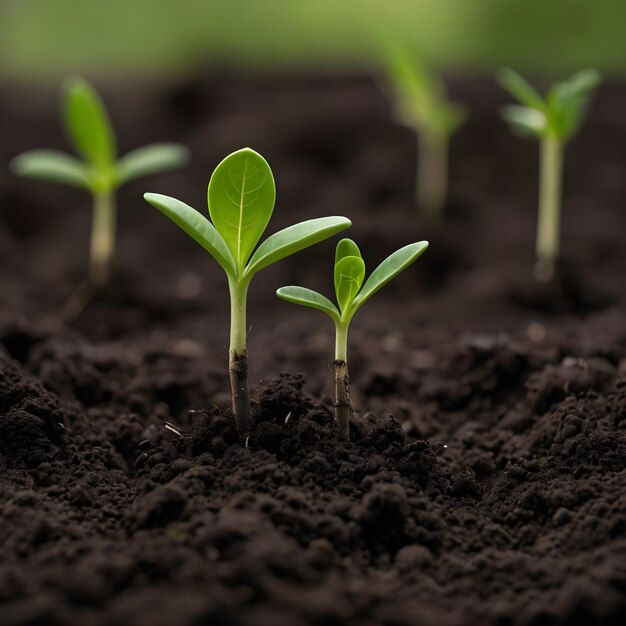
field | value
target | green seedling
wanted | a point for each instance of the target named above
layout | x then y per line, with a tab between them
421	104
241	199
98	170
554	119
351	293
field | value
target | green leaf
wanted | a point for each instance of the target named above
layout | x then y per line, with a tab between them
525	120
241	199
521	89
408	74
568	102
578	86
293	239
571	118
452	116
349	275
389	269
88	124
53	166
197	227
310	298
346	247
151	159
421	100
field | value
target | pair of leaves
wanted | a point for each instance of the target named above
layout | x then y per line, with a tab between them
349	274
241	198
90	131
559	114
421	100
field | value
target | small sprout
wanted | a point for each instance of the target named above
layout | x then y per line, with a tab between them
421	104
98	170
351	293
554	119
241	199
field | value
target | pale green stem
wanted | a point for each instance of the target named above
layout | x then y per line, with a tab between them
238	359
341	341
343	405
432	175
549	221
103	230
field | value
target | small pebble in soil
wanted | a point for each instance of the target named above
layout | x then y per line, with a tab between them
536	332
413	556
562	516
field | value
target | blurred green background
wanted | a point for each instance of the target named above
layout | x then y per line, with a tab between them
44	39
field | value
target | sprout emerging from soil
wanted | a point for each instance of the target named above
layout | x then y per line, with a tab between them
554	120
98	171
421	104
241	199
351	294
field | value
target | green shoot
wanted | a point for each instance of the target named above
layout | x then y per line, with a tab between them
241	199
98	170
554	120
421	104
351	293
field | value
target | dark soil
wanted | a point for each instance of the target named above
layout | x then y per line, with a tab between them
485	483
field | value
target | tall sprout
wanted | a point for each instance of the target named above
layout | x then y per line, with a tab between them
554	120
241	198
421	104
98	170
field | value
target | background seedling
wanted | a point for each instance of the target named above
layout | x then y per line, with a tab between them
554	120
421	104
98	171
351	294
241	199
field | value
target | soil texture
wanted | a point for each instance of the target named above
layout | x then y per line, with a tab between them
485	482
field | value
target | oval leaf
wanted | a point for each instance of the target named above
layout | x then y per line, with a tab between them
346	247
521	89
349	275
293	239
578	86
196	226
568	102
310	298
88	124
408	74
524	120
53	166
151	159
389	269
241	199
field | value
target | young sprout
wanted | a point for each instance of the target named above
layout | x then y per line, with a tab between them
554	119
241	199
421	104
98	171
351	294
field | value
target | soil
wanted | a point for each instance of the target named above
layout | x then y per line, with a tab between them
484	484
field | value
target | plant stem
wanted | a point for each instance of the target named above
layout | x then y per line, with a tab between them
102	238
549	221
238	359
343	406
432	175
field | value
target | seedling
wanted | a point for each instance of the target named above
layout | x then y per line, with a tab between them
554	119
421	104
351	294
97	171
241	199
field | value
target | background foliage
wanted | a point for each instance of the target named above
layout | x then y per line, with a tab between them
45	39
